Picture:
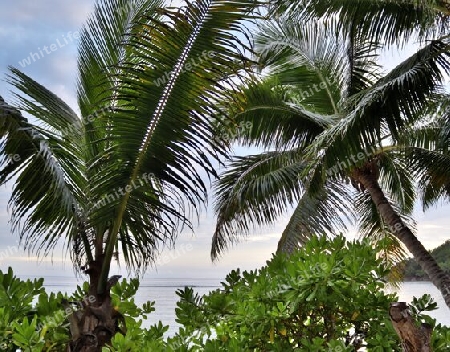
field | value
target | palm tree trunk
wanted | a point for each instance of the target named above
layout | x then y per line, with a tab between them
95	321
369	180
414	338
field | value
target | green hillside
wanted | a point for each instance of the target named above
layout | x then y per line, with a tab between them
413	272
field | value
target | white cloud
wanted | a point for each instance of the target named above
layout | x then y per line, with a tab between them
28	25
46	12
430	226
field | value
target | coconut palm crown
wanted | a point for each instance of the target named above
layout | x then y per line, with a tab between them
387	21
343	142
115	180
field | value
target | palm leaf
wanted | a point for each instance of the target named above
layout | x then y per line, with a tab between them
390	21
300	59
120	178
396	100
395	178
431	169
162	129
48	180
263	114
255	190
323	212
372	227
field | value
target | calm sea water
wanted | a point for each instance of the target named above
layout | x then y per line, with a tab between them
162	291
408	290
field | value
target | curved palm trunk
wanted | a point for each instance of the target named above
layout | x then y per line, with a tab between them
369	180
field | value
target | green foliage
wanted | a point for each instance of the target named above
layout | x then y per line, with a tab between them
321	111
26	336
30	318
440	340
328	296
36	321
95	177
412	270
17	294
393	22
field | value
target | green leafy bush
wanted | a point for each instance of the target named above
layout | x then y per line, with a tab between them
42	327
440	340
32	320
327	297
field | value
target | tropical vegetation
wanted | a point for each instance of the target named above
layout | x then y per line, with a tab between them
162	94
330	296
343	142
117	181
413	272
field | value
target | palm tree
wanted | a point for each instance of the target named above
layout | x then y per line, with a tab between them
388	21
340	140
116	180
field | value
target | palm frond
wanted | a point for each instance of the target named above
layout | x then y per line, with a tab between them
48	175
103	47
324	212
254	191
396	100
372	227
370	223
264	114
308	58
161	123
390	21
435	134
431	170
425	153
395	179
362	69
120	178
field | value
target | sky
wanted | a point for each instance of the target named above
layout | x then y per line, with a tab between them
26	29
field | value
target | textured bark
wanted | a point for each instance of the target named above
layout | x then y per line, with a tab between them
412	337
92	327
368	178
94	321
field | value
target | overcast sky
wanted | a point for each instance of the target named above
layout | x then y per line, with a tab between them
26	27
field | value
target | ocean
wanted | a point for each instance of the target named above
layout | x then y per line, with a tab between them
162	291
408	290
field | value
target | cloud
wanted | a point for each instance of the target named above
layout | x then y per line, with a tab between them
431	226
26	27
45	13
